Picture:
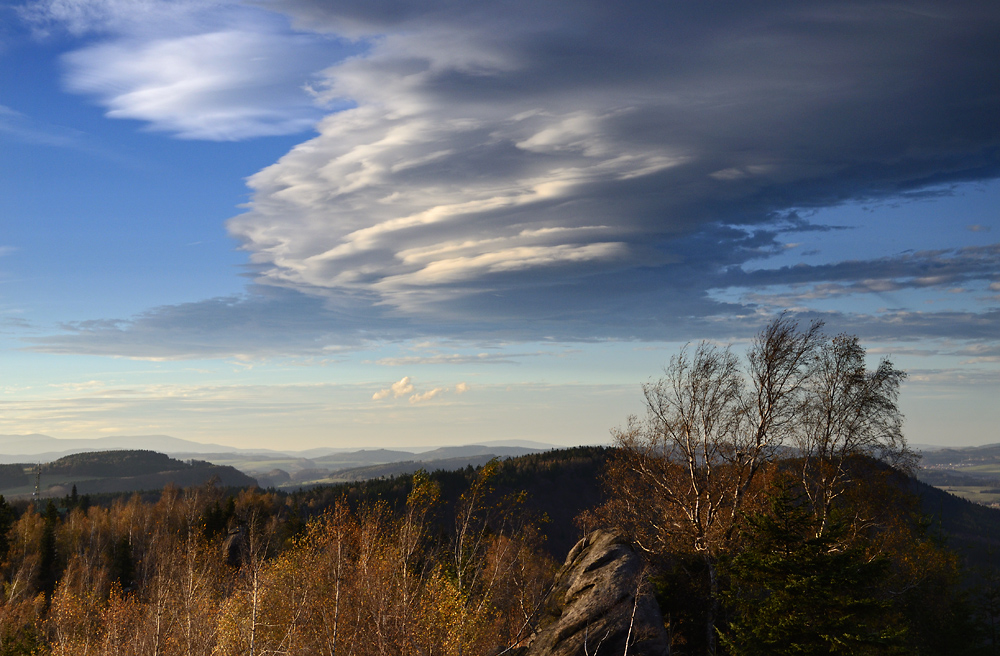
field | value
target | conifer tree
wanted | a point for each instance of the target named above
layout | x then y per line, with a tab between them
797	591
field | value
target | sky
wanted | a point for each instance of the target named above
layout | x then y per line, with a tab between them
300	223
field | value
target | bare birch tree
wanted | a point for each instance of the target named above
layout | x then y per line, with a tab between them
849	411
714	422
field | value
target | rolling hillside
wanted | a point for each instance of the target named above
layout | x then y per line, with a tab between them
113	471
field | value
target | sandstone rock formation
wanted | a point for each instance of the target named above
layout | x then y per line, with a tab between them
597	606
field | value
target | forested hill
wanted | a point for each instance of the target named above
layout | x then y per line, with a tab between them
555	487
561	484
116	471
115	464
971	529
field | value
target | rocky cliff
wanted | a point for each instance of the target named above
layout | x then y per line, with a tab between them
598	605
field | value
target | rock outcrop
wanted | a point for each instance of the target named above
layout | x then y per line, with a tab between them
597	606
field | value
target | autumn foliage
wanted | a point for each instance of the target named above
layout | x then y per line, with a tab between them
155	578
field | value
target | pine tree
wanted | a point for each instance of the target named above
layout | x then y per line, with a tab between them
797	591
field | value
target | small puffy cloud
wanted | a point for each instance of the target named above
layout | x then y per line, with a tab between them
461	388
427	396
400	388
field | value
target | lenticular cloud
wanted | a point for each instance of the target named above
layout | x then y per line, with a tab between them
535	160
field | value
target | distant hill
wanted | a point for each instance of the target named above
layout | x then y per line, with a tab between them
970	472
959	456
105	464
363	457
13	448
37	448
116	471
290	475
473	450
408	467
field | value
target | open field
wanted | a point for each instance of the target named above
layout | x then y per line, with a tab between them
974	493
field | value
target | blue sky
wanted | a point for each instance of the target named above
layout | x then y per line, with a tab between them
298	223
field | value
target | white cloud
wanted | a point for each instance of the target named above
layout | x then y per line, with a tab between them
427	396
219	86
193	68
400	388
384	202
461	388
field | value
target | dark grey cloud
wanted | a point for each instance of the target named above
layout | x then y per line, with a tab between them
262	323
515	156
289	324
269	322
937	268
902	325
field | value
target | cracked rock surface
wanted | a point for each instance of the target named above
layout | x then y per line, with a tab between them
594	609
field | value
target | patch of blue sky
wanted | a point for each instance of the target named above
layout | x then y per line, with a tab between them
945	217
106	217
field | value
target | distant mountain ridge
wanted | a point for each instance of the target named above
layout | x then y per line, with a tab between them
37	447
270	468
44	448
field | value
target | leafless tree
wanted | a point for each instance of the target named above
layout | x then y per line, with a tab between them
710	426
848	411
714	423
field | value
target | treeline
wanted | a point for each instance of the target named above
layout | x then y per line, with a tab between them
457	563
197	573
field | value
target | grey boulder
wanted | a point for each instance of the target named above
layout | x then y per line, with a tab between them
598	605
